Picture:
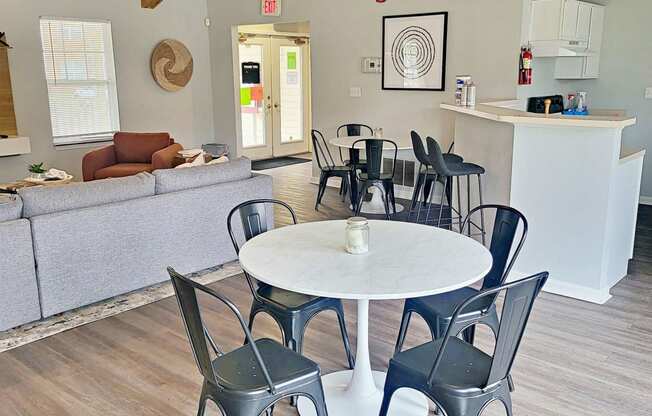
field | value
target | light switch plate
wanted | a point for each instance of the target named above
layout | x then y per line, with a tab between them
355	92
648	93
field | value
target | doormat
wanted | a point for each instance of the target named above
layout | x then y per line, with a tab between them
277	162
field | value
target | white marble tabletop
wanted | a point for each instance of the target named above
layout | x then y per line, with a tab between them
346	142
405	260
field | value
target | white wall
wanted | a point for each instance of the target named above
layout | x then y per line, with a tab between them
483	41
187	115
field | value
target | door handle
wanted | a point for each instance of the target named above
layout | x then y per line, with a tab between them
277	106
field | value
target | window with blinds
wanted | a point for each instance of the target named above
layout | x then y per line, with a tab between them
80	74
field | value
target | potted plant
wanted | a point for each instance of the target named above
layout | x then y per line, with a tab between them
37	171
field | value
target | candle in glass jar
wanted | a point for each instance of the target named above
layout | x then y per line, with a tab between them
357	235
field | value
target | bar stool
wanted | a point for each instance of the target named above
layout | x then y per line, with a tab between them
426	173
451	171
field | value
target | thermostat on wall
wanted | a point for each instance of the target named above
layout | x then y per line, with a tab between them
372	65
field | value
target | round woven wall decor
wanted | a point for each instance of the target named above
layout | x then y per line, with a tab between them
171	65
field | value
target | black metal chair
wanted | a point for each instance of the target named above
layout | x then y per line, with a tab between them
292	311
374	177
328	168
354	130
438	310
451	171
251	379
461	379
427	175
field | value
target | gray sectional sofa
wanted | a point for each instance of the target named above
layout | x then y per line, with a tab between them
73	245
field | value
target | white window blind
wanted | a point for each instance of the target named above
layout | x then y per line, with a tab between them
80	74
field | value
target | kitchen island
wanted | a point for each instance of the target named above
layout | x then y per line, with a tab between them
571	179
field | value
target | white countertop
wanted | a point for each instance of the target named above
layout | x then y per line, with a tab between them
511	112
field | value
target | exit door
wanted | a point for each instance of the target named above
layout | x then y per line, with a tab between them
274	96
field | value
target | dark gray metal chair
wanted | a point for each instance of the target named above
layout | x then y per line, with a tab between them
251	379
426	174
328	168
451	171
461	379
374	177
292	311
354	130
438	310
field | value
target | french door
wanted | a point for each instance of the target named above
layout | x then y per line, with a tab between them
274	97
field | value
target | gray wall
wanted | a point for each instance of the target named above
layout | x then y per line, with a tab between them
626	70
187	115
483	41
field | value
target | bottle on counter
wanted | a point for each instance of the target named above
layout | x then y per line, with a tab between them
460	80
465	94
471	95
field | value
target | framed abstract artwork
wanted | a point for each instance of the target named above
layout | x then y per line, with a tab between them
414	52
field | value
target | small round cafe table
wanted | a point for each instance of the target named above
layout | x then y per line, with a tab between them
375	206
405	260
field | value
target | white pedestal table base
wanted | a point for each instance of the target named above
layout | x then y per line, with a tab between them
359	392
376	206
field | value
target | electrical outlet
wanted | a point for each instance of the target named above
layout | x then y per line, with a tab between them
355	92
648	93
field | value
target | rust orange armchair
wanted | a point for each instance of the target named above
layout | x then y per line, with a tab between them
130	153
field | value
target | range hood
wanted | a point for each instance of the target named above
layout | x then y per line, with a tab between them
559	48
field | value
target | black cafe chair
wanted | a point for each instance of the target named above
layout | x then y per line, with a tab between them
354	130
438	310
292	311
458	377
328	169
251	379
374	176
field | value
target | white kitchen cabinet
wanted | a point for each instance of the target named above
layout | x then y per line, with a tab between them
588	66
563	27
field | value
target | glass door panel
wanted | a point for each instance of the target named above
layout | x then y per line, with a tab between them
291	96
255	105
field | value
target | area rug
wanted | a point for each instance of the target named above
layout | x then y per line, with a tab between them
35	331
277	162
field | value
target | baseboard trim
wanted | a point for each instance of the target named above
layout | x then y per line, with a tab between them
645	200
569	290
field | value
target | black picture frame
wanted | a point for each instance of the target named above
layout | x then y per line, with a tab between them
444	50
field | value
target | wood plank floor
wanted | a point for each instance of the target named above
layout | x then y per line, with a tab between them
576	358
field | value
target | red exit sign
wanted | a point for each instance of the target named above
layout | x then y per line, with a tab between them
271	7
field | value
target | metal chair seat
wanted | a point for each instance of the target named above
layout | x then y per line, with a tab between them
345	169
382	177
462	367
239	370
464	169
288	299
443	305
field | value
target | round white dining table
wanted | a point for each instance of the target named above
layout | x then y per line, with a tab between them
376	205
405	260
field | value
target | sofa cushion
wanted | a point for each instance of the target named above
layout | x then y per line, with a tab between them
173	180
11	207
122	169
139	147
40	200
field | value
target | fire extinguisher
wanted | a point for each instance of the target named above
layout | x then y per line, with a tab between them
525	66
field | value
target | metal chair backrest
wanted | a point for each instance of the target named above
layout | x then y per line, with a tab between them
517	306
374	154
506	224
254	220
419	149
323	154
354	130
436	157
198	335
